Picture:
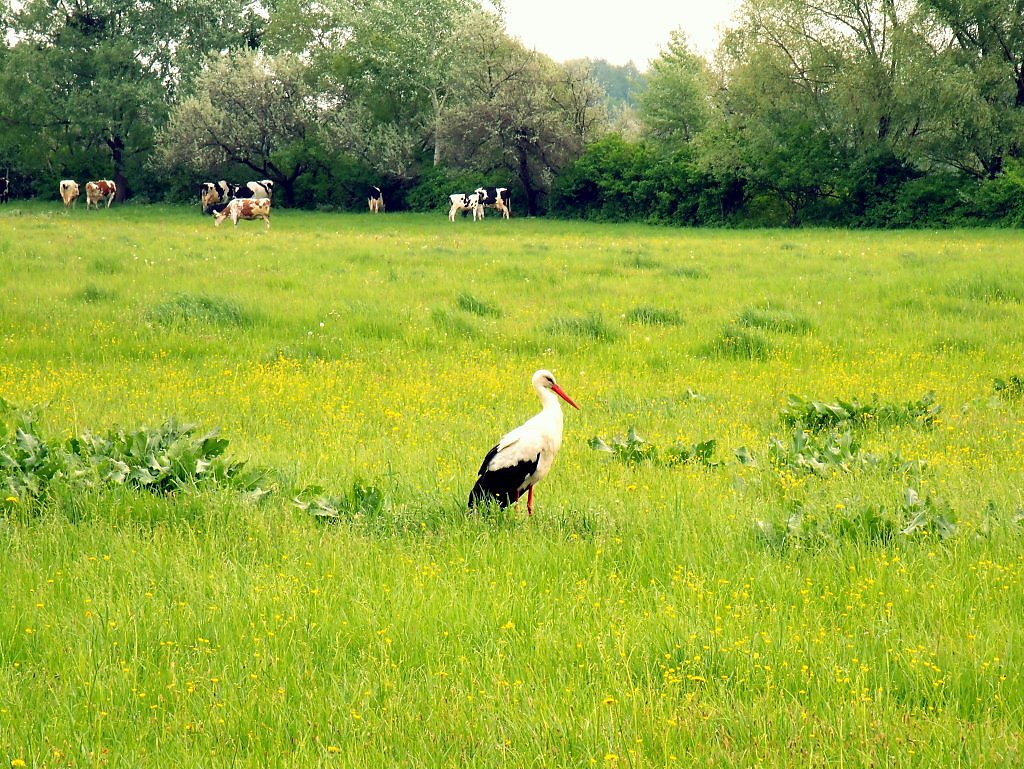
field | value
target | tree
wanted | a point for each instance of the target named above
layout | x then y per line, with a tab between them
979	89
251	110
810	89
86	82
404	61
522	114
675	106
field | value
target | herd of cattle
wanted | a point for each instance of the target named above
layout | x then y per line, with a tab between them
252	199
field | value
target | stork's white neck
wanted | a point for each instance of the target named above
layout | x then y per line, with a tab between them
548	399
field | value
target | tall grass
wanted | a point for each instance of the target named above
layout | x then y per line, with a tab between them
750	613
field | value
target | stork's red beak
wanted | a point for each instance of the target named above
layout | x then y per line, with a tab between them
564	397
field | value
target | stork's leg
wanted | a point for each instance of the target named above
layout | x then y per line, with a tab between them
529	502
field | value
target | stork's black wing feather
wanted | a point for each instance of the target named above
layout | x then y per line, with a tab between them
502	484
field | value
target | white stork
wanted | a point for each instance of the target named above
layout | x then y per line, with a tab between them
523	456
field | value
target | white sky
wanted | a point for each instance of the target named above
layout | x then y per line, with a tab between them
617	30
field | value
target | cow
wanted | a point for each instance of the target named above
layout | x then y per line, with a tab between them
104	189
375	199
213	194
465	201
5	189
261	189
497	197
244	208
69	192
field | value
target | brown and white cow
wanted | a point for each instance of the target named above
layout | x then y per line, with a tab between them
375	199
69	192
97	191
244	208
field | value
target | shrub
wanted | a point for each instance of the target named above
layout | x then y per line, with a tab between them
189	308
632	449
475	306
774	320
646	315
589	327
739	344
821	415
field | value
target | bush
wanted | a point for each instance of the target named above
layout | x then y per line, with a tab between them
616	180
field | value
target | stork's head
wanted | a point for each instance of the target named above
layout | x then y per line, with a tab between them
545	380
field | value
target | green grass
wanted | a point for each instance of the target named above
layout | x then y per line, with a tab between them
768	610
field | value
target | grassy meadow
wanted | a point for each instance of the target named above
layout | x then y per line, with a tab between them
835	581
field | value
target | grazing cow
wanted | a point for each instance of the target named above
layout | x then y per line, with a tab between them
261	189
375	198
497	197
104	189
244	208
5	189
465	201
213	194
69	192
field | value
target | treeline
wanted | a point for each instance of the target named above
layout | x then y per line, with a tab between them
844	112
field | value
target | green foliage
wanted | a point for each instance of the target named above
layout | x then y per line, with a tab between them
646	315
619	82
817	416
27	462
822	455
592	326
452	324
633	449
927	517
471	304
860	524
1011	388
185	309
675	105
615	180
738	343
359	502
802	529
771	319
987	289
164	459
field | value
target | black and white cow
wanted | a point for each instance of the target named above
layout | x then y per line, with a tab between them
463	201
375	199
264	188
213	194
5	189
497	197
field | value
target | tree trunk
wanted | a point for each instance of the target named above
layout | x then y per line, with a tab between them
116	145
288	188
438	107
526	179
